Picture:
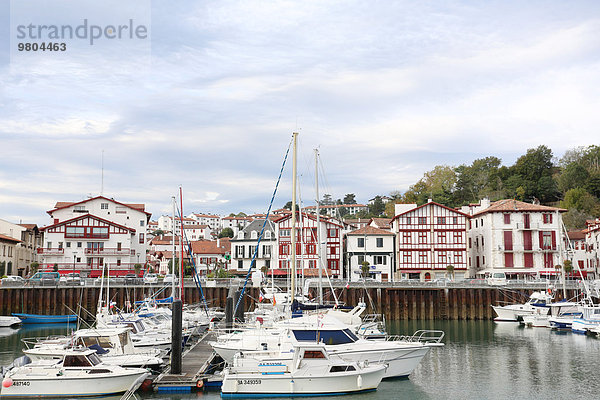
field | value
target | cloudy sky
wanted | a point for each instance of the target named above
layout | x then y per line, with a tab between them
208	100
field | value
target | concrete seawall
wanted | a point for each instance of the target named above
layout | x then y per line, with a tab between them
396	303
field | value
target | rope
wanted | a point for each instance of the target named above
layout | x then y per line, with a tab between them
263	229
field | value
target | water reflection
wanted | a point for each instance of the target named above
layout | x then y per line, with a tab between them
481	360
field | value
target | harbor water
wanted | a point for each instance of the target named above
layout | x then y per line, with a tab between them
481	360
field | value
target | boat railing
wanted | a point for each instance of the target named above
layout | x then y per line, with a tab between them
32	342
422	336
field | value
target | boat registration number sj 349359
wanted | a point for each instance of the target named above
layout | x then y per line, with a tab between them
248	381
21	383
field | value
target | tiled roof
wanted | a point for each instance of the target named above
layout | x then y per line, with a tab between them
206	216
512	205
576	235
8	238
335	206
28	226
208	247
370	230
63	204
382	223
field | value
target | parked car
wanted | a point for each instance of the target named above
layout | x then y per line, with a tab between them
132	279
169	278
150	278
45	278
13	280
73	278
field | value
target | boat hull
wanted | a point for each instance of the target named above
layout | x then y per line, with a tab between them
238	385
6	322
26	384
45	319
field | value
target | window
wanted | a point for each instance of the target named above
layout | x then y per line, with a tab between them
332	233
441	220
284	249
311	249
49	246
239	251
547	218
285	232
379	260
379	242
141	238
118	262
407	257
422	220
442	237
360	259
422	237
442	258
408	221
268	235
332	250
458	237
333	264
266	251
422	257
406	237
68	244
78	244
104	206
240	235
360	242
455	220
240	264
60	245
141	222
458	257
507	219
470	243
253	235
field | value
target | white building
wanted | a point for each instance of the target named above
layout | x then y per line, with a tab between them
515	237
210	255
243	246
235	223
197	232
335	210
214	221
580	256
29	239
89	234
374	245
8	254
592	242
165	224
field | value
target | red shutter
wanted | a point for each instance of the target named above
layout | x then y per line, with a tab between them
527	245
508	243
541	240
508	260
528	260
553	240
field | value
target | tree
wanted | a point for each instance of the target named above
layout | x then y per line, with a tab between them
137	268
327	200
55	268
33	267
579	199
343	211
450	269
533	173
226	232
377	207
575	219
349	198
573	176
478	180
437	184
241	214
568	267
158	232
288	205
365	269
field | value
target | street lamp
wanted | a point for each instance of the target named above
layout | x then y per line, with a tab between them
73	276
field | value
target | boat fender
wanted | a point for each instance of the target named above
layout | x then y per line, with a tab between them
7	382
359	381
200	384
292	386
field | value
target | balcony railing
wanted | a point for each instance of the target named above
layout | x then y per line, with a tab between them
51	252
110	251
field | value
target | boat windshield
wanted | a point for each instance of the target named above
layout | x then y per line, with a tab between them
94	359
337	336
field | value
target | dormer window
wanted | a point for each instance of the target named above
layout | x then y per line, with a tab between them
253	235
268	235
240	235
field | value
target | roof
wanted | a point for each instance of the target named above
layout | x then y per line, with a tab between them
257	225
512	205
431	203
382	223
88	216
206	216
162	239
195	226
28	226
64	204
309	216
8	238
208	247
336	206
576	235
370	230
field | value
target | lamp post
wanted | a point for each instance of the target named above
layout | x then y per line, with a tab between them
74	259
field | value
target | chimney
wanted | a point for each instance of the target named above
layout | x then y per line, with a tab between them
429	200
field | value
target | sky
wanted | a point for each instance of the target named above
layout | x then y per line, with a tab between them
209	98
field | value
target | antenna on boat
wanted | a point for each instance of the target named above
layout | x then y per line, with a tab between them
294	173
318	238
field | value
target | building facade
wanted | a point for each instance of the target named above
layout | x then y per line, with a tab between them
86	236
430	241
243	247
376	247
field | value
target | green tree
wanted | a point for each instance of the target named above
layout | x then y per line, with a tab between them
349	198
579	199
377	208
241	214
437	184
288	205
226	232
158	232
450	270
327	200
533	173
575	219
478	180
573	176
55	268
365	269
137	268
33	267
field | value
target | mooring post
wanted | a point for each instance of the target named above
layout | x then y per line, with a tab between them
176	342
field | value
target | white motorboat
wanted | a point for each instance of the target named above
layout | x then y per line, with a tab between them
114	346
537	302
563	313
589	319
78	373
8	321
402	355
305	370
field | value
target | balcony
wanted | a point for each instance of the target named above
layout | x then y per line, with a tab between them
532	226
51	252
110	251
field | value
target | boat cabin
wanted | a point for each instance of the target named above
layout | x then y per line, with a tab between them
325	336
117	341
78	359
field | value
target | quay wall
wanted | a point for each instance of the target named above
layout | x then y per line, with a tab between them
424	303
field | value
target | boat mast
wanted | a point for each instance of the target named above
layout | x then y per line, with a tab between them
294	168
318	227
181	244
173	253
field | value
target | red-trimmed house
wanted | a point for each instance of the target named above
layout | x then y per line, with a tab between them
429	238
307	254
87	235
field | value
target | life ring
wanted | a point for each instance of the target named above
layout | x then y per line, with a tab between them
200	384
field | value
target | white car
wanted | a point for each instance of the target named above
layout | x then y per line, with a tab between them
150	278
13	280
169	278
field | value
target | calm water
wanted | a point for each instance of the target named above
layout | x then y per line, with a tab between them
481	360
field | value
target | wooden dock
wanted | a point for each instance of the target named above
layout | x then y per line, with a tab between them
195	362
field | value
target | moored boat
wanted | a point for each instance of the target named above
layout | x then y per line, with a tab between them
77	373
7	321
45	319
538	302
